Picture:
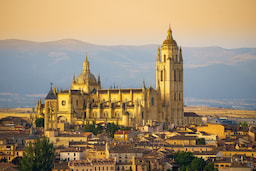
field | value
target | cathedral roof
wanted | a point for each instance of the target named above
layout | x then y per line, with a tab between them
51	95
86	75
169	41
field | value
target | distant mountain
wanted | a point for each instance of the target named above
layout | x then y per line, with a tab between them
27	69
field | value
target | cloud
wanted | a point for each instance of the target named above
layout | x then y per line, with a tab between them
36	95
57	57
5	100
9	94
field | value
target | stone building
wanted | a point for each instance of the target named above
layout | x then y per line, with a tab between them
87	100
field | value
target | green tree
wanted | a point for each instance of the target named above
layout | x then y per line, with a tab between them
125	128
210	167
200	141
111	129
244	124
39	122
38	156
197	164
184	158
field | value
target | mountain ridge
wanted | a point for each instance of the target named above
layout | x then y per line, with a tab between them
28	67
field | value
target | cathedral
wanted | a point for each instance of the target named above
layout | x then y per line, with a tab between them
86	100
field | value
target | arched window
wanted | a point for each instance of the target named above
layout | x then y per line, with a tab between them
142	115
180	76
174	75
152	101
162	75
164	58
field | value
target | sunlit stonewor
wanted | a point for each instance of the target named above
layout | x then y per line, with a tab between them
86	100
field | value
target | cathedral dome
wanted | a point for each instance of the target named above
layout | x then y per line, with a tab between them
86	76
169	41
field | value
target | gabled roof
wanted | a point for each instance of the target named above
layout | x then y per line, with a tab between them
51	95
191	114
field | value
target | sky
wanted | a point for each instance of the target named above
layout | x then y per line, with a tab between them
195	23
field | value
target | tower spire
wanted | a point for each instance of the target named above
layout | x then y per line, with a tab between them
181	58
86	65
169	35
74	78
158	55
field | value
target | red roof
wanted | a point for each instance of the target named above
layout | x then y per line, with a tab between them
122	132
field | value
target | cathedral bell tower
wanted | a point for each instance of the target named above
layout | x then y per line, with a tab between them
169	80
51	107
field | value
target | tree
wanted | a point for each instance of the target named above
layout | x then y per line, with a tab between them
39	122
197	164
38	156
210	167
200	141
125	128
184	158
111	129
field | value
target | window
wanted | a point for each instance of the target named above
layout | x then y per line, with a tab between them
76	102
164	58
174	75
63	102
152	101
162	75
74	158
180	76
74	154
142	115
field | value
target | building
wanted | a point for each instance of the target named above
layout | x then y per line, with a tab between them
7	148
71	154
221	130
92	165
87	100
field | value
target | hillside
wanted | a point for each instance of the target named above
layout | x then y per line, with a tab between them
220	112
27	69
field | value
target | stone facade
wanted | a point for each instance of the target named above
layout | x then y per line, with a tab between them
87	100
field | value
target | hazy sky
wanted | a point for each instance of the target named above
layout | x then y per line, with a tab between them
226	23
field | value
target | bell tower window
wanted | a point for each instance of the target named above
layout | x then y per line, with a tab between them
174	75
162	75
